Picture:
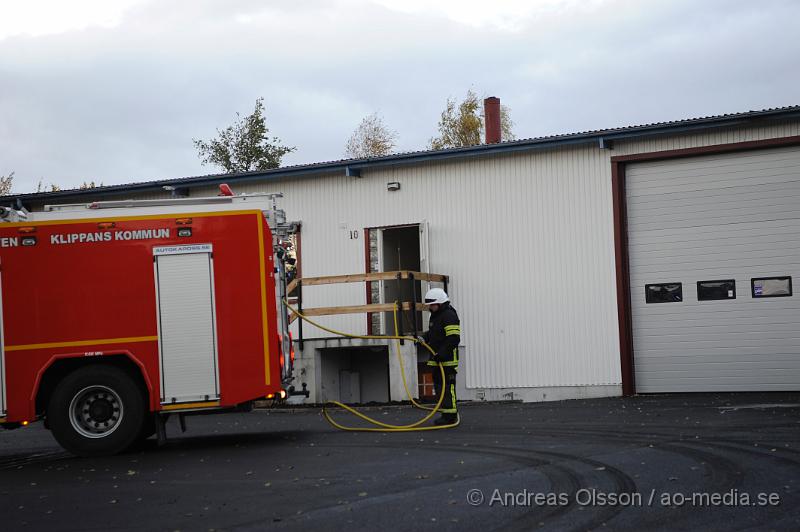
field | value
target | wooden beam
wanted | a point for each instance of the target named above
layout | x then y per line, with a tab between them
364	277
350	309
291	286
354	278
432	277
357	309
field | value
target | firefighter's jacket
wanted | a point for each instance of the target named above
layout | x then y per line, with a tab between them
444	335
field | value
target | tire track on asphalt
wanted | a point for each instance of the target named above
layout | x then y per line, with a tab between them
760	451
621	481
560	478
724	472
622	434
19	461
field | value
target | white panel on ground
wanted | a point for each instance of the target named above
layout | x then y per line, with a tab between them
349	387
711	218
187	329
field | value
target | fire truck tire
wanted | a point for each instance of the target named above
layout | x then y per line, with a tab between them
96	410
148	428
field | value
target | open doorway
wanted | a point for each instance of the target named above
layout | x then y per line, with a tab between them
393	248
355	375
400	250
292	244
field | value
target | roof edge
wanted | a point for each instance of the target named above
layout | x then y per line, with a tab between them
354	166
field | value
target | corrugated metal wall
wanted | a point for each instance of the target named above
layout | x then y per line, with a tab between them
527	239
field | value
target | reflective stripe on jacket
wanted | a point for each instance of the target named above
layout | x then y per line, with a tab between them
444	335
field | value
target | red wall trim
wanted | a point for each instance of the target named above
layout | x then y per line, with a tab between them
299	251
618	164
368	284
623	277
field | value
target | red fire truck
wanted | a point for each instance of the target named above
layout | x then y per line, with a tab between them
116	314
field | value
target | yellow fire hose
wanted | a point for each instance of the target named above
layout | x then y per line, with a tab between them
379	425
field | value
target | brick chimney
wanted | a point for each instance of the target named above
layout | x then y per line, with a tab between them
491	113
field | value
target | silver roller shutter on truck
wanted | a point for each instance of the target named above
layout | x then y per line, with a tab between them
186	323
2	356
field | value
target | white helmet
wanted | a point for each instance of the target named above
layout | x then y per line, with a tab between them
436	296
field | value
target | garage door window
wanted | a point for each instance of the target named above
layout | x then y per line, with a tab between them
771	286
663	293
715	290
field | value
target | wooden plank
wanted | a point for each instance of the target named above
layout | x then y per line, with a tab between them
354	278
350	309
364	277
431	277
420	307
291	286
357	309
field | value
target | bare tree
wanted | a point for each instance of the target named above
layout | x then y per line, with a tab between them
463	123
371	139
6	183
506	124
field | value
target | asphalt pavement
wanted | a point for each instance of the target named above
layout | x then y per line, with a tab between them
675	462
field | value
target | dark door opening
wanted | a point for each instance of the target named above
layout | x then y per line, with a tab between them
355	375
400	250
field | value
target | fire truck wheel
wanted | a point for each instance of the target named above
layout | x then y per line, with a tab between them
96	410
148	427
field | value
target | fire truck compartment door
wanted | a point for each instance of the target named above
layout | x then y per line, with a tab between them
2	356
187	324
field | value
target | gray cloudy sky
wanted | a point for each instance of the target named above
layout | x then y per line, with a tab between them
114	91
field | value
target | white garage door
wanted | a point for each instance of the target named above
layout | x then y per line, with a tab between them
731	223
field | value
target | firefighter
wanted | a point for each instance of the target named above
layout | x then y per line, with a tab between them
443	335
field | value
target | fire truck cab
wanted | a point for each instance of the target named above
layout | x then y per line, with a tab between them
115	314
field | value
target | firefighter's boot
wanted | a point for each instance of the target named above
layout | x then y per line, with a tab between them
446	419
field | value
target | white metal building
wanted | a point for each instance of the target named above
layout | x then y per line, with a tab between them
574	260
